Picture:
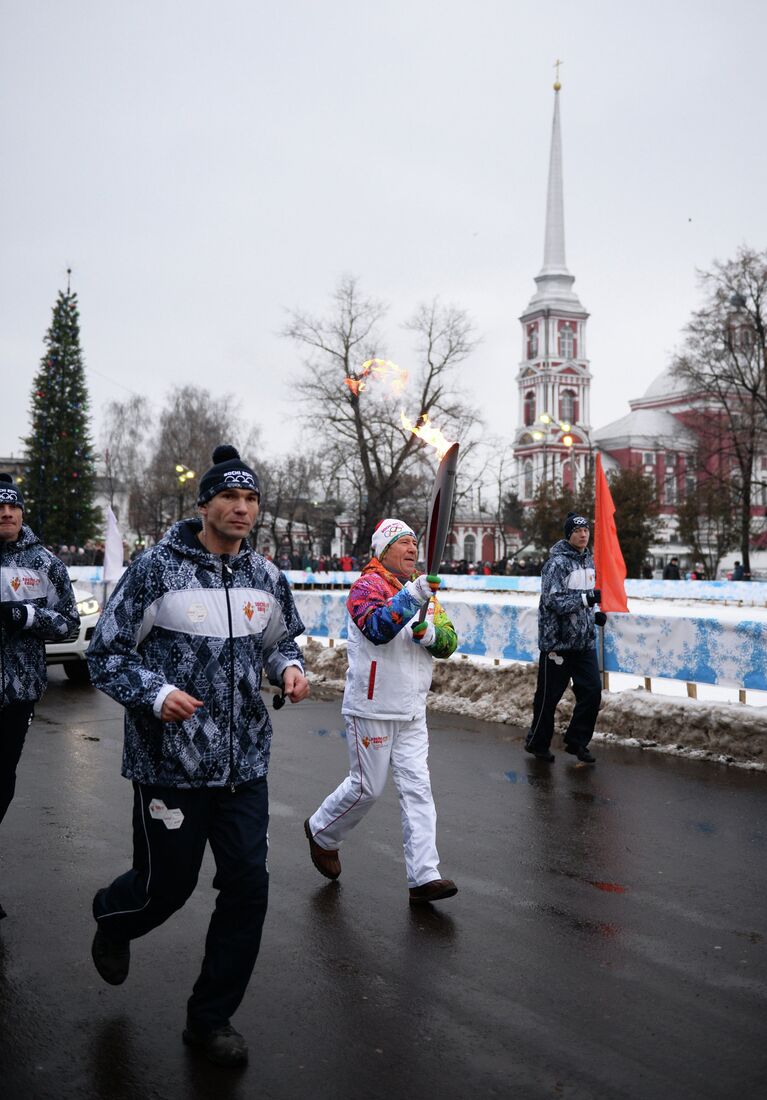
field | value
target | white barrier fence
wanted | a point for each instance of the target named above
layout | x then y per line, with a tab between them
693	649
690	648
747	593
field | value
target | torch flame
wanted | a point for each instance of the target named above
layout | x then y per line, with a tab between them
381	369
429	434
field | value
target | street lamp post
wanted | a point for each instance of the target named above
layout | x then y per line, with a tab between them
550	430
184	474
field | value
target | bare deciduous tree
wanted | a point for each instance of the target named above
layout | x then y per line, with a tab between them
381	463
127	426
142	452
708	522
724	362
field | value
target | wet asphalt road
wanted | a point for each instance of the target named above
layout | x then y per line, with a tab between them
609	938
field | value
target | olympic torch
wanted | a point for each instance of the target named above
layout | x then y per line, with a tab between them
440	511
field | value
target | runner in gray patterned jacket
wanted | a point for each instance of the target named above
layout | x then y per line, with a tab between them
181	644
566	640
182	617
37	605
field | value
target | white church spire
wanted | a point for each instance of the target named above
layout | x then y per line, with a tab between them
552	441
554	280
554	247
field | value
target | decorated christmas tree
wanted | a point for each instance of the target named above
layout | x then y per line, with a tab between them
59	486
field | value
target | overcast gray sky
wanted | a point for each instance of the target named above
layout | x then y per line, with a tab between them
202	167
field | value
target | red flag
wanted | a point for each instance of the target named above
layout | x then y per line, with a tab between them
608	559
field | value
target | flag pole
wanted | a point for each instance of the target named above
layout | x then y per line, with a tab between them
605	674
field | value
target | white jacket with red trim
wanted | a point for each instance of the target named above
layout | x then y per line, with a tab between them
389	674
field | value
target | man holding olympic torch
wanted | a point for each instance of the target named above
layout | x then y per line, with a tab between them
390	657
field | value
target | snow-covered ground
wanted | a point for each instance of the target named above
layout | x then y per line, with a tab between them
711	728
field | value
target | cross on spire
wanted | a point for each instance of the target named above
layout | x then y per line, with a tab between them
557	85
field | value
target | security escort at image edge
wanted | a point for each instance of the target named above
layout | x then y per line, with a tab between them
37	605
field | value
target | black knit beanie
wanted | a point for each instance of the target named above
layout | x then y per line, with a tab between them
574	520
227	472
10	493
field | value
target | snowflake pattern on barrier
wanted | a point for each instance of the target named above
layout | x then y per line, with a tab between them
697	649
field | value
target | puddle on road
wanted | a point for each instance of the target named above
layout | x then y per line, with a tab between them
598	884
546	783
329	733
605	929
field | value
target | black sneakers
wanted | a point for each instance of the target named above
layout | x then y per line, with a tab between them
111	958
223	1045
583	754
540	754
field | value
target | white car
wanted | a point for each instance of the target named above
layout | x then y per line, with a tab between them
71	653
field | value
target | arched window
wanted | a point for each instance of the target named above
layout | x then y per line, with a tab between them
568	475
469	548
566	342
528	472
529	408
532	341
567	408
669	488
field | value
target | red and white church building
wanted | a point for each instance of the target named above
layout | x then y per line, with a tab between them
555	438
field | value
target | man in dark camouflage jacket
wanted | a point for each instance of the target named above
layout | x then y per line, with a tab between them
181	644
566	640
37	605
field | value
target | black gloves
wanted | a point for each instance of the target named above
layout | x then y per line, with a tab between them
13	616
600	618
593	597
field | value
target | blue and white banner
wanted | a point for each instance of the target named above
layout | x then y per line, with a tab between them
696	649
700	650
748	593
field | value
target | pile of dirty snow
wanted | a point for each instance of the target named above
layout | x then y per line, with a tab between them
726	732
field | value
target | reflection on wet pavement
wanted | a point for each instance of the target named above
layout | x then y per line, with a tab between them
606	929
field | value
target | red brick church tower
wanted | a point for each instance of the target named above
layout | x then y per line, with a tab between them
553	440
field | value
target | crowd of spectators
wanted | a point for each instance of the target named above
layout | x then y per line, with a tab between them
348	563
504	567
90	554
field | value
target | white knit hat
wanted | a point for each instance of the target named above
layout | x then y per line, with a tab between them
387	532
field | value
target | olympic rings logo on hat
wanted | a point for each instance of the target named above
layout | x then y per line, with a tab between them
239	477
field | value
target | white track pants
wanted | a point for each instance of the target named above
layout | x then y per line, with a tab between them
374	744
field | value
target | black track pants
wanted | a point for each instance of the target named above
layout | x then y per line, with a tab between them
555	670
171	827
15	720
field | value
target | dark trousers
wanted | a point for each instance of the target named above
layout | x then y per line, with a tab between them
15	720
555	670
171	827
